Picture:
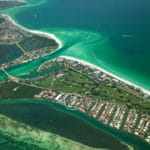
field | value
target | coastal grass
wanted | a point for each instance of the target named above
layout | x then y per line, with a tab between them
11	90
73	82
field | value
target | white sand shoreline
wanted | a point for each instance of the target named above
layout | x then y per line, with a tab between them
112	75
52	36
43	34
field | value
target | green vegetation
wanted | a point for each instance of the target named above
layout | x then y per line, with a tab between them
11	90
37	42
8	53
75	82
70	82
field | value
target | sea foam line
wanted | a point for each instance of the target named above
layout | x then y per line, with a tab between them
52	36
106	72
43	34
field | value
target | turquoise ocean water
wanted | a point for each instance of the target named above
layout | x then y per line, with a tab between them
112	34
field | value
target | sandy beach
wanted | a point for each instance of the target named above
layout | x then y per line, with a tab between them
52	36
110	74
43	34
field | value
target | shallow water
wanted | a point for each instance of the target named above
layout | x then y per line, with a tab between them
112	34
71	124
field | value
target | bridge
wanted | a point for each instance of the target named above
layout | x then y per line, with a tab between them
22	49
10	77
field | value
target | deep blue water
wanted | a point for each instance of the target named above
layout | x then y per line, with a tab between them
125	24
113	34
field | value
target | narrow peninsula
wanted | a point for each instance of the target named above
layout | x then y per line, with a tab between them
68	82
19	45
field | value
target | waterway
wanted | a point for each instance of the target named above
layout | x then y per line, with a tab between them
71	124
111	34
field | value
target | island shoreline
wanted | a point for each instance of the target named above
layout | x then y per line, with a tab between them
41	33
106	72
60	45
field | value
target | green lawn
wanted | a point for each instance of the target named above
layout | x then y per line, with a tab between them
74	82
